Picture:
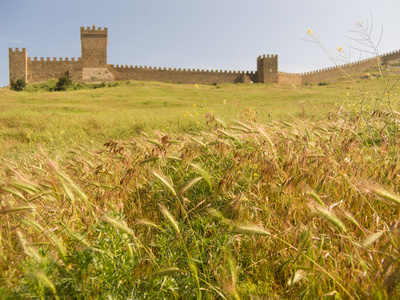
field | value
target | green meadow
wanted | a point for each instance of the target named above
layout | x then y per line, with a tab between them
57	120
145	190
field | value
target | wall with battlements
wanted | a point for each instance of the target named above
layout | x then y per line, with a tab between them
41	69
190	76
333	73
92	67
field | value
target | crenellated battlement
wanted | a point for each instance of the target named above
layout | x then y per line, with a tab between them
23	50
124	67
290	74
391	53
92	66
54	59
92	31
340	67
334	72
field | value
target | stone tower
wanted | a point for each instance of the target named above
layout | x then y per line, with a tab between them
94	55
94	47
267	69
18	65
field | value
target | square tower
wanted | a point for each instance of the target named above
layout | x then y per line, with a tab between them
94	47
18	65
267	69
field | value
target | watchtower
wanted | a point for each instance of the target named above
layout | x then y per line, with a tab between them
94	47
267	69
18	65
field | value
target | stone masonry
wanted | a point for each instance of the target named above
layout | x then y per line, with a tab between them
92	67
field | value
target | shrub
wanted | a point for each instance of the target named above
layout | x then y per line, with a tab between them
18	85
63	83
99	85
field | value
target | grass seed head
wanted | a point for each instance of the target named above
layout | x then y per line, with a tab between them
117	224
165	272
369	240
170	218
329	216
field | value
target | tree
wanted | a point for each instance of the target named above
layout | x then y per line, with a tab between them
18	85
63	83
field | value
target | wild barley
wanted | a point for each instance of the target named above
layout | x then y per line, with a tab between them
204	174
369	240
170	218
250	229
165	272
166	181
329	216
117	224
189	185
43	279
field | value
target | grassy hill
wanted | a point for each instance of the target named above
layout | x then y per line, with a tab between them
58	119
161	191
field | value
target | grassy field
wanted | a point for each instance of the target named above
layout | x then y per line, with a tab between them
161	191
58	119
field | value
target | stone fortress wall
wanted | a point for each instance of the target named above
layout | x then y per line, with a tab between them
329	74
92	67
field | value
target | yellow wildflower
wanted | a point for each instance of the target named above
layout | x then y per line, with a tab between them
224	101
309	32
194	105
340	48
196	86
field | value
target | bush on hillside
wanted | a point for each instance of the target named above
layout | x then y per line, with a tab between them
18	85
63	83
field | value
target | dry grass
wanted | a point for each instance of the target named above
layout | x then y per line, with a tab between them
259	210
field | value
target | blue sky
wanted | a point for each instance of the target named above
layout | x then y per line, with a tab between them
205	34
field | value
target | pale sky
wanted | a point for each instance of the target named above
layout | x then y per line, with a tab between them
204	34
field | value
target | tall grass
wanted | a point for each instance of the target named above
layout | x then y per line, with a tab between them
376	96
256	210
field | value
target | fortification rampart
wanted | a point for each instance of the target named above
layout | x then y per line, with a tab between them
333	73
41	69
180	75
92	67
